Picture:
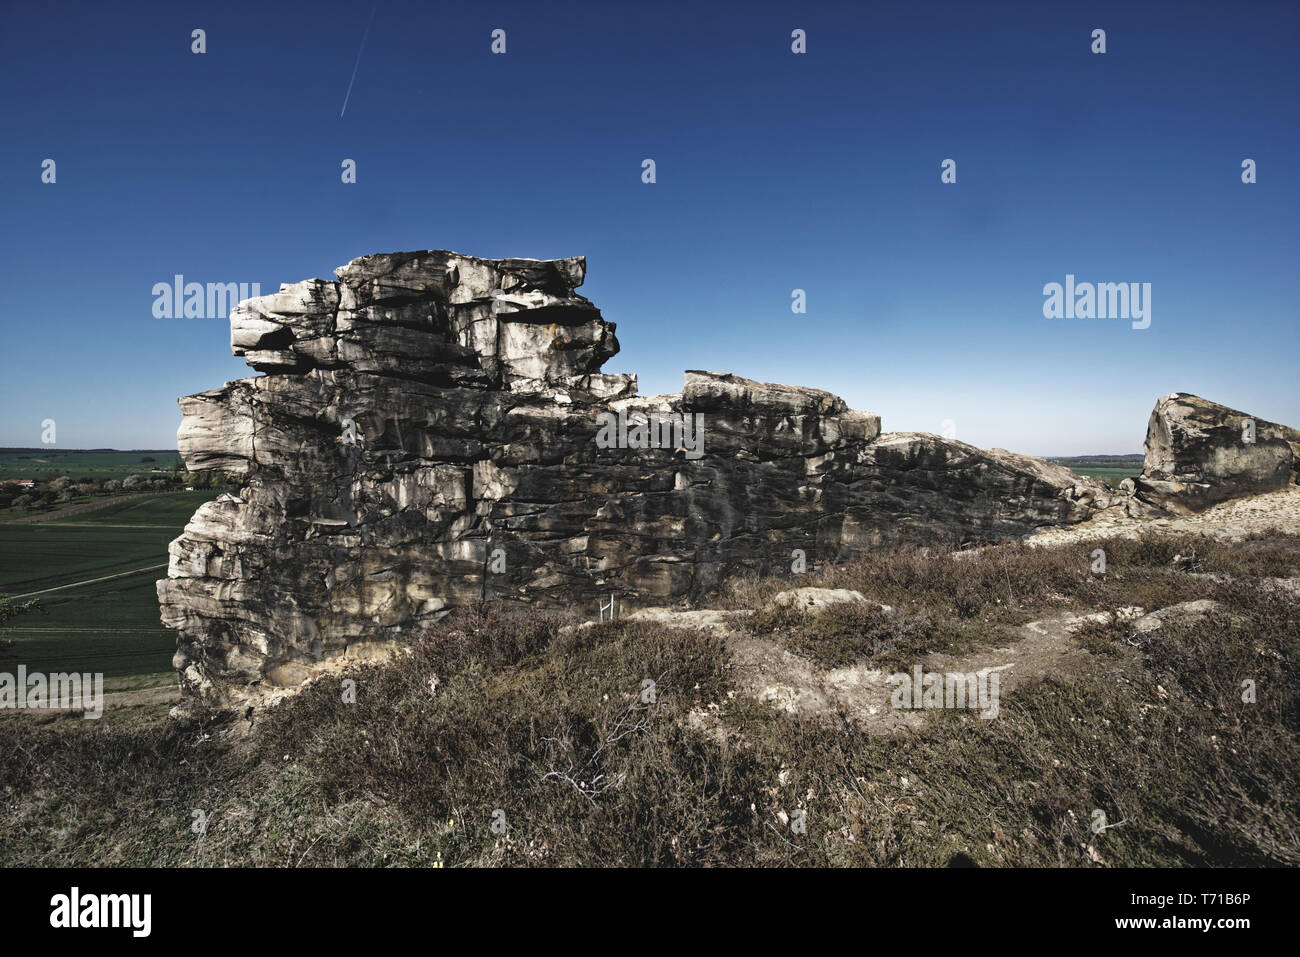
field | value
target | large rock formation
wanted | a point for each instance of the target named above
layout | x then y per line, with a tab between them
435	429
1199	453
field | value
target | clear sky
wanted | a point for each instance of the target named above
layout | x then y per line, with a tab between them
775	171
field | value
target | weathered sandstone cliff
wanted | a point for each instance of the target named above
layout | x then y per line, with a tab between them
434	429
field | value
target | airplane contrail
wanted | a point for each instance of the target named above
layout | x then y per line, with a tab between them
358	63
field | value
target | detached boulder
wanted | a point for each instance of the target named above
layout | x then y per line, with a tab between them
1199	452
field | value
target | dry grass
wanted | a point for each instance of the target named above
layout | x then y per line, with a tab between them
553	727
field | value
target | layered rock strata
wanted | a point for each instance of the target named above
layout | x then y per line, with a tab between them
434	429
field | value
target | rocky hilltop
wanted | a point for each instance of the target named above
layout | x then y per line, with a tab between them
434	429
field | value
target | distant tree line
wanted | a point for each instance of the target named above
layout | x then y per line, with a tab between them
47	494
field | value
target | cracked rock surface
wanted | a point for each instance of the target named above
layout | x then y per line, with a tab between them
1199	453
425	435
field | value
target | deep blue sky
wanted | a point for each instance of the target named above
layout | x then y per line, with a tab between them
775	172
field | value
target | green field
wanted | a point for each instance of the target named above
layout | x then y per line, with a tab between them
1110	471
163	509
109	626
82	464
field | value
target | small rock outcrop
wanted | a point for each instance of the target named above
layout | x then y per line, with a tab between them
814	601
434	429
1199	453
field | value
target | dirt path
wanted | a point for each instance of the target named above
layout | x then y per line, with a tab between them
866	696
